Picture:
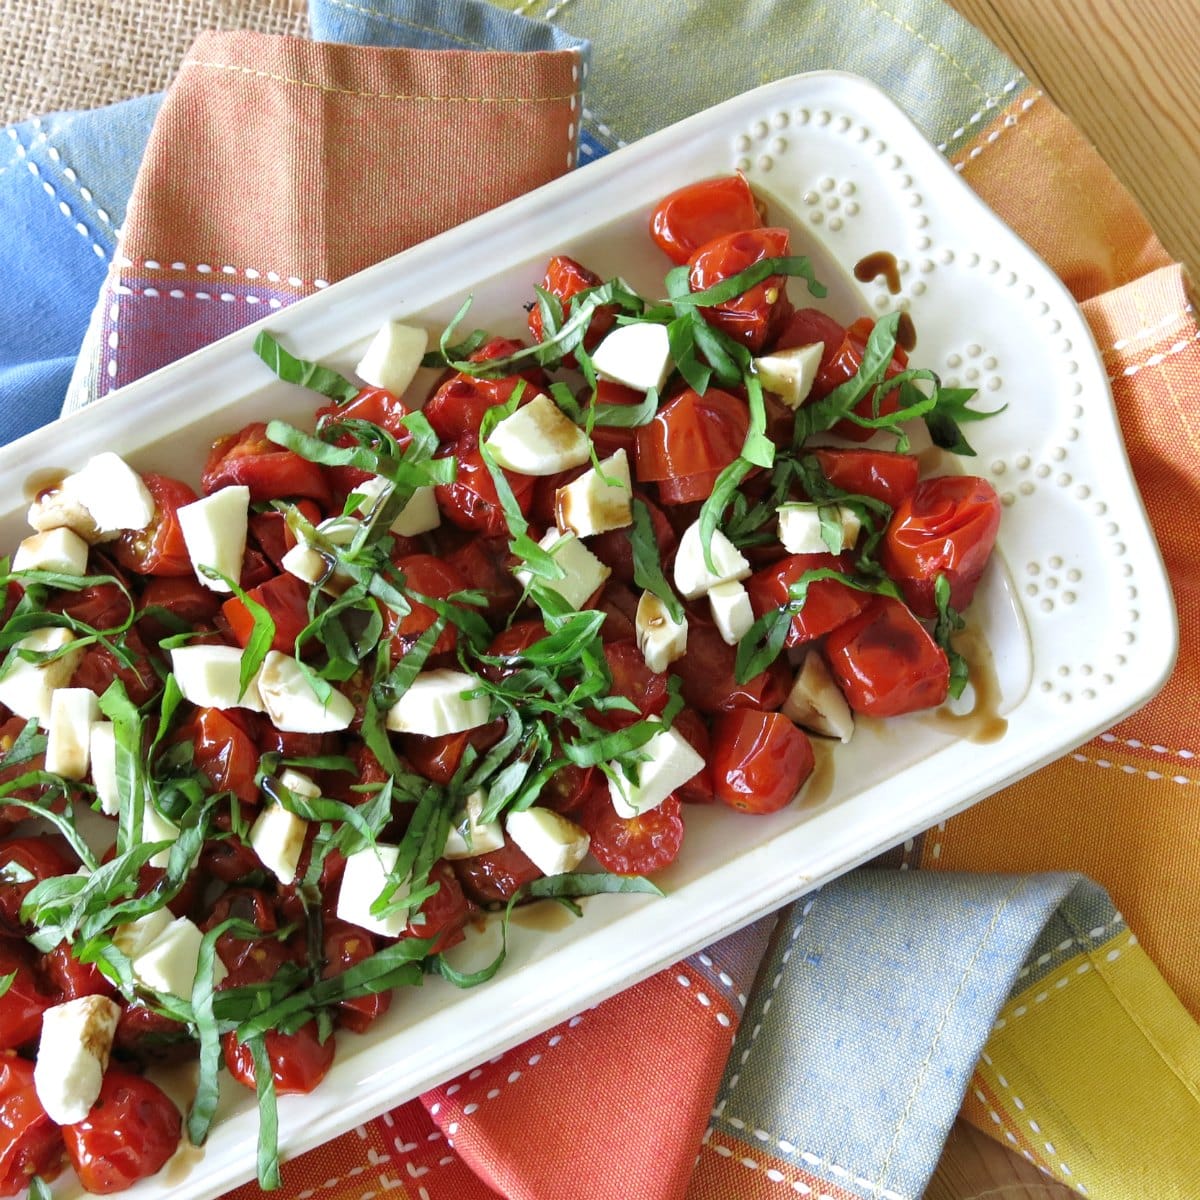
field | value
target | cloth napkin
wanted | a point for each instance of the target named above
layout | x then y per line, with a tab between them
825	1051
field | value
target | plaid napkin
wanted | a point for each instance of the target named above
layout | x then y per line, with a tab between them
826	1051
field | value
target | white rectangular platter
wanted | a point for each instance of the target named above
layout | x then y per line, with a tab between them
1076	610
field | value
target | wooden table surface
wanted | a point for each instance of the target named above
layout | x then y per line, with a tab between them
1125	72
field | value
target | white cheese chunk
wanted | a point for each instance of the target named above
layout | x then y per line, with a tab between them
292	703
468	838
584	571
599	500
393	357
299	783
363	881
61	550
277	837
638	356
68	741
669	764
552	843
419	515
214	531
113	492
27	687
135	936
169	963
102	756
72	1056
306	563
692	576
731	611
57	508
434	705
816	702
157	828
209	676
790	373
538	439
660	638
800	527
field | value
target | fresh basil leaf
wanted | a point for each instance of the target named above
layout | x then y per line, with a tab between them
261	635
305	374
268	1116
204	1103
647	569
713	509
949	622
796	266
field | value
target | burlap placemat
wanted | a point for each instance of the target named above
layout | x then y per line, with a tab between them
68	54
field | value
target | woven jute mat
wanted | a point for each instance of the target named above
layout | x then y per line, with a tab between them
72	54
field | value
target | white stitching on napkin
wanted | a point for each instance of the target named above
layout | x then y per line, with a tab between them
1155	359
797	1185
1150	330
1129	769
1010	122
975	118
1135	744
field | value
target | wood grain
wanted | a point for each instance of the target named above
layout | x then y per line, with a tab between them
1125	73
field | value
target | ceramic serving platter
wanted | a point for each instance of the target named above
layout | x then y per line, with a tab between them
1075	610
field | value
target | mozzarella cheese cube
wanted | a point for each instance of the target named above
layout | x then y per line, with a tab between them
538	439
277	837
27	687
298	784
363	881
638	356
692	576
57	508
393	357
214	531
816	702
72	1056
209	676
292	703
68	744
669	764
306	563
599	500
112	492
790	373
731	611
467	837
584	571
169	963
61	550
157	828
660	639
341	531
135	936
800	527
434	705
552	843
419	515
102	756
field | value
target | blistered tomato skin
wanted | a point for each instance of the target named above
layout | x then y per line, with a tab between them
491	879
946	527
760	760
827	604
886	662
881	474
250	459
30	1143
299	1061
844	365
131	1131
564	279
637	845
38	858
22	1006
693	215
159	549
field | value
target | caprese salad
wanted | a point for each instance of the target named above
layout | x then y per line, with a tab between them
268	747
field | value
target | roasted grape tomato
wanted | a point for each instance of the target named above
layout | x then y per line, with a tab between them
250	459
470	502
492	879
827	603
564	279
299	1061
21	1007
707	674
159	549
24	863
760	760
30	1143
756	316
699	212
881	474
286	600
692	436
844	365
637	845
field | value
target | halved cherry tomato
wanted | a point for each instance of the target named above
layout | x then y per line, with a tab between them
444	915
759	760
509	644
345	945
701	212
946	527
886	662
376	406
567	788
286	600
637	845
707	674
225	752
159	549
844	365
492	879
148	1037
68	978
21	1007
471	501
250	458
130	1132
760	311
566	278
99	666
881	474
34	858
689	442
635	681
299	1061
827	604
429	576
30	1143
